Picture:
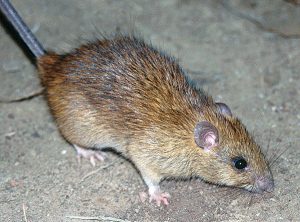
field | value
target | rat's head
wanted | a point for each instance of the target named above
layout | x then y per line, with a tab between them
230	154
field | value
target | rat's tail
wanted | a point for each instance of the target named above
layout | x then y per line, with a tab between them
16	21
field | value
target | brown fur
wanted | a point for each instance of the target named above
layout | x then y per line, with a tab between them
124	94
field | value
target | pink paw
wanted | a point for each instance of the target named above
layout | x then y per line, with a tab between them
160	197
92	155
155	195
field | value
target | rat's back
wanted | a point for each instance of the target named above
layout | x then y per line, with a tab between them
104	92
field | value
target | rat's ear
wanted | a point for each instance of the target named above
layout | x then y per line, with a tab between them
206	135
224	109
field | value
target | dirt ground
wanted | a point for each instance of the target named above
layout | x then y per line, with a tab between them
243	52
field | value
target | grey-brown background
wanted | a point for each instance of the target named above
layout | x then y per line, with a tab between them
245	53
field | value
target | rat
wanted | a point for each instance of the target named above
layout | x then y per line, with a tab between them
125	94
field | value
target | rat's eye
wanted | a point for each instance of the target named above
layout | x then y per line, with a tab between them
240	163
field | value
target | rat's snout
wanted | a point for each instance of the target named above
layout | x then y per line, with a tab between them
264	184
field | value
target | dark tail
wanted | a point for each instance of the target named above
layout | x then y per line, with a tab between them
13	17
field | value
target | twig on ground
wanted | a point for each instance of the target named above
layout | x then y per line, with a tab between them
24	212
30	96
99	218
256	22
96	171
10	134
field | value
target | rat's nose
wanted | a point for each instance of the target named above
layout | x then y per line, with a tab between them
264	184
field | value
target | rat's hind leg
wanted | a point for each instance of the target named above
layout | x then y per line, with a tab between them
92	155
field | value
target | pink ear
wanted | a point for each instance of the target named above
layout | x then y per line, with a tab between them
224	109
206	135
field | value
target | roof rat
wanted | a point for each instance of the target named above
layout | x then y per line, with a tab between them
125	94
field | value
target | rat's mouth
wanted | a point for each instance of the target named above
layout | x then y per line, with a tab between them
264	184
261	184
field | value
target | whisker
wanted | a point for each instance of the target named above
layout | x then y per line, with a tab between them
251	197
280	154
237	194
269	140
275	153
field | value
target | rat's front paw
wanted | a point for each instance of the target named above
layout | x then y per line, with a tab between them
156	195
92	155
160	197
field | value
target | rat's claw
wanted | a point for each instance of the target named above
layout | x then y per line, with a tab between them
143	196
92	155
158	196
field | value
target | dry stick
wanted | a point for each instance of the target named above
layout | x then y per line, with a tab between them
260	25
27	97
10	134
24	213
100	218
95	171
